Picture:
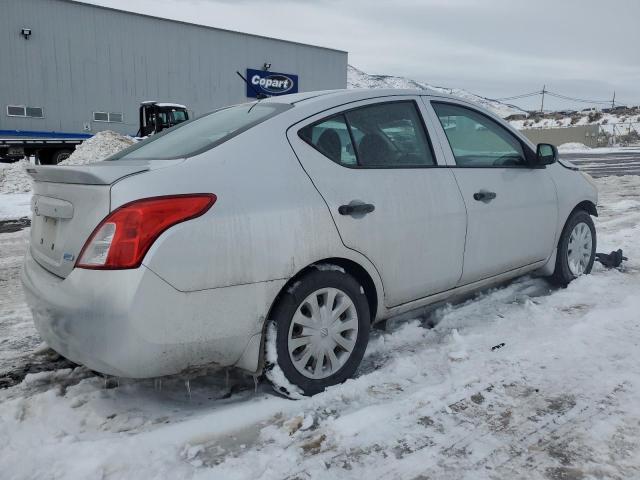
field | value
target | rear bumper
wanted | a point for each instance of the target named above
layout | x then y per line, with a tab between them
131	323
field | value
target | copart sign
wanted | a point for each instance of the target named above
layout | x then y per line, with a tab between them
270	83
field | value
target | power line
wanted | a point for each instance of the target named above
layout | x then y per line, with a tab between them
516	97
544	92
575	99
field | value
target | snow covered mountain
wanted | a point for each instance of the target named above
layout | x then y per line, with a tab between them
358	79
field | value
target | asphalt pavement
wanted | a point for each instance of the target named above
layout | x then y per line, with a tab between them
605	164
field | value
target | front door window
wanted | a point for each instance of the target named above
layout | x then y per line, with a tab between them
478	141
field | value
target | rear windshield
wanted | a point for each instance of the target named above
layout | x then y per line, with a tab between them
196	136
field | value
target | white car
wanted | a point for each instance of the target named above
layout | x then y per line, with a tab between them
291	225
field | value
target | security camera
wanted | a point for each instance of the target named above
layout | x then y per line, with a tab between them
266	66
26	33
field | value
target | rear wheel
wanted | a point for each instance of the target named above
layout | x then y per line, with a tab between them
53	157
576	248
321	330
60	156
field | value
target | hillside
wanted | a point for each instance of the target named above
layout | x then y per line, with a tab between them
358	79
624	122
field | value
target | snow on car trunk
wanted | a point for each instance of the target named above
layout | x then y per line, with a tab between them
557	400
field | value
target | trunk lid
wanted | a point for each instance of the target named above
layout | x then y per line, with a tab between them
101	173
69	202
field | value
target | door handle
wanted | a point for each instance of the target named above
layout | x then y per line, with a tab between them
484	196
356	209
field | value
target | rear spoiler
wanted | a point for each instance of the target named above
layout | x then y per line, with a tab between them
101	173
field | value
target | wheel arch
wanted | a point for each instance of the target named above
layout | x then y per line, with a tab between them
349	266
586	205
373	292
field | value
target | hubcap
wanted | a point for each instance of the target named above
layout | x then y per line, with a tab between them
579	249
323	333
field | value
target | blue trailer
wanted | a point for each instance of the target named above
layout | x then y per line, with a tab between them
50	148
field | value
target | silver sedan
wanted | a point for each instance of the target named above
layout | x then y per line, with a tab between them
271	235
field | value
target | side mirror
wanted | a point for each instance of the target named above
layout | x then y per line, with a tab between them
546	154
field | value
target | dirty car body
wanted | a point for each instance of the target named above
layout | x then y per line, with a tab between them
174	253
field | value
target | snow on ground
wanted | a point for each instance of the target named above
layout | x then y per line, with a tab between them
433	399
573	147
15	205
576	147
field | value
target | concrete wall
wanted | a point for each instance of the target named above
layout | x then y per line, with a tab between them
83	58
587	134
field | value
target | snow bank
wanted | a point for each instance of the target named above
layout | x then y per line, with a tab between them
100	146
573	147
14	178
577	147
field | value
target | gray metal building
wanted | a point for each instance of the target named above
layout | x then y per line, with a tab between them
67	66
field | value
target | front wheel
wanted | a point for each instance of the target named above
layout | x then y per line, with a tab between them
319	333
576	248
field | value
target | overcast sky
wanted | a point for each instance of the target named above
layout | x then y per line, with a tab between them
496	48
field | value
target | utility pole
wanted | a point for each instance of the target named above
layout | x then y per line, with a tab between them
542	104
613	102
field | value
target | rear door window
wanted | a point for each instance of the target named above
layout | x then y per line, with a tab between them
331	137
383	135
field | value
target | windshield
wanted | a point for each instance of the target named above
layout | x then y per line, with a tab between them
179	116
196	136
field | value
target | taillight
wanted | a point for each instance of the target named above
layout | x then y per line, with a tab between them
123	238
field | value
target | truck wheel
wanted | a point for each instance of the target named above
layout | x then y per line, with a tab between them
53	157
59	156
319	334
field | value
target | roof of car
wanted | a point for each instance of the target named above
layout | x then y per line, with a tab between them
355	93
312	102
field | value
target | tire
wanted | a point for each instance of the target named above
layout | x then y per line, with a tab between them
60	156
48	157
569	251
336	363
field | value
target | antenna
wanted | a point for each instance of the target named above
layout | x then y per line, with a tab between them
259	95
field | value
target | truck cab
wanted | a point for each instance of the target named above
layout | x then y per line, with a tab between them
155	117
